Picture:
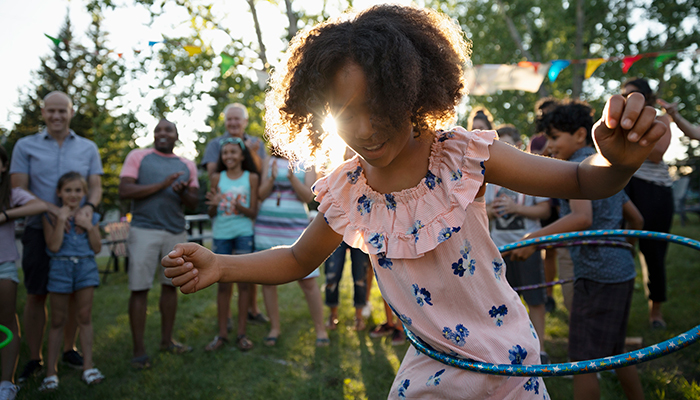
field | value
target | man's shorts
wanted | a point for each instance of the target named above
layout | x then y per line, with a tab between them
35	261
8	270
70	274
525	273
146	248
598	320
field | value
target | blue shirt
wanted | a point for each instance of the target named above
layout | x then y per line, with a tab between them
602	264
75	244
44	161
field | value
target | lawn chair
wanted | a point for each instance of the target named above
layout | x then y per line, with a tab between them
117	233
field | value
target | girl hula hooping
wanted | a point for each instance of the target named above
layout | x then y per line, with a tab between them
391	76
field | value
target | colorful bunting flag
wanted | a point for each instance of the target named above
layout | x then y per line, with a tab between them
628	61
556	68
192	50
535	65
490	78
662	57
226	63
591	65
151	42
53	39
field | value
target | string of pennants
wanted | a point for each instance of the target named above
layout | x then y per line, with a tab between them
528	76
487	79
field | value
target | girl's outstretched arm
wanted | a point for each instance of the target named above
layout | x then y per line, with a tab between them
193	267
624	136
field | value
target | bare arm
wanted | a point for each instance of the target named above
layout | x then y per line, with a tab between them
623	147
194	267
303	189
267	180
688	129
129	189
32	207
53	232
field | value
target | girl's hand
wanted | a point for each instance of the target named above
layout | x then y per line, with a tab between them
213	197
505	205
670	108
522	253
82	221
627	131
64	213
192	267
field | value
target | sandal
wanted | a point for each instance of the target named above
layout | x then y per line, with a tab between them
323	342
270	341
243	343
92	376
216	344
175	348
332	323
142	362
49	384
360	324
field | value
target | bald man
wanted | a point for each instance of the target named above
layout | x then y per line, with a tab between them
37	162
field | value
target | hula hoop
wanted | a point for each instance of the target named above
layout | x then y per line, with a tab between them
541	285
581	367
8	333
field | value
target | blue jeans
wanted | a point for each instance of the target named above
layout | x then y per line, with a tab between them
334	271
237	245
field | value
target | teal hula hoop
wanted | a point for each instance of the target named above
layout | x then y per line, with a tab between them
581	367
8	333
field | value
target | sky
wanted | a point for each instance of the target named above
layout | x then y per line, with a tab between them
128	27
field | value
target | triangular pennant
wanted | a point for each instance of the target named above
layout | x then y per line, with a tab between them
591	65
226	63
535	65
628	61
556	68
53	39
151	42
192	50
661	58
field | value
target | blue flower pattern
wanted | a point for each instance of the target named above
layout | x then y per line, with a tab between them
446	233
404	318
497	268
458	268
483	168
470	263
532	384
445	136
434	380
457	336
354	176
422	295
498	313
532	330
403	386
390	202
431	181
383	261
415	230
455	175
517	355
364	205
377	240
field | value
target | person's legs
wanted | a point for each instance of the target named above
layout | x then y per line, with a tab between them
243	304
224	293
566	271
629	379
70	332
313	299
586	387
138	304
550	274
83	301
8	318
168	309
34	321
334	266
59	315
35	264
273	310
359	265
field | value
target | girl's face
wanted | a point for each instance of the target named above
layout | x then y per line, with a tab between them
231	155
71	193
377	144
479	124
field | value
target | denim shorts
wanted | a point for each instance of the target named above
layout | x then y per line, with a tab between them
70	274
8	270
237	245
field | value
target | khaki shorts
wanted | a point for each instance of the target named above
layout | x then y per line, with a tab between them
146	248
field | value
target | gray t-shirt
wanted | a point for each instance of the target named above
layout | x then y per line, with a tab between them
511	228
161	210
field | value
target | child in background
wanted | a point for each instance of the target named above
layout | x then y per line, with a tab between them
412	197
480	118
513	215
14	203
604	275
73	272
234	203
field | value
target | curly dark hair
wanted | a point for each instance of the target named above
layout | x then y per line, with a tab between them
643	87
412	59
569	117
542	107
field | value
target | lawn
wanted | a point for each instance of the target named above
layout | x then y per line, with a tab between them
354	366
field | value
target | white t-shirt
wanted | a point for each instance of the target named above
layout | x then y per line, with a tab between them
511	228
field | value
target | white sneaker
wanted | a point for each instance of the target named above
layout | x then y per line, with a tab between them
367	310
8	390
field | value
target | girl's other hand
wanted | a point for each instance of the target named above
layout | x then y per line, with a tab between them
670	108
627	131
82	221
213	197
192	267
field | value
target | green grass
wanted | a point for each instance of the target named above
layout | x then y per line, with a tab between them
354	366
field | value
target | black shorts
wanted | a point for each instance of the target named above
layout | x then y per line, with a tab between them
598	321
35	262
525	273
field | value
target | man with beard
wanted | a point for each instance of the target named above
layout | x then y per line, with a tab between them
159	183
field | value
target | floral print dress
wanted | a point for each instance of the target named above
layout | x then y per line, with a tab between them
438	269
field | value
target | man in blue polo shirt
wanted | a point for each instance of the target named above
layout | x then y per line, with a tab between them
37	163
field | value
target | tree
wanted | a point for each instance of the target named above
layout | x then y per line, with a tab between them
92	77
